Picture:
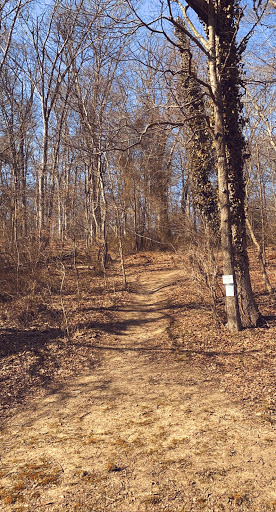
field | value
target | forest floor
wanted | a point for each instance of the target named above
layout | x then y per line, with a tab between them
150	405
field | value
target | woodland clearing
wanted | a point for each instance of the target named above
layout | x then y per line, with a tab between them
136	400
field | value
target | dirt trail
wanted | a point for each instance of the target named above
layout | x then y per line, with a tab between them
146	430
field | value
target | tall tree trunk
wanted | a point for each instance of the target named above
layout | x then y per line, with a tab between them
230	54
41	179
104	244
262	198
232	306
23	186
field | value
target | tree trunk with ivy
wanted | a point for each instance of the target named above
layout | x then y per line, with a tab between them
223	17
201	152
231	300
228	16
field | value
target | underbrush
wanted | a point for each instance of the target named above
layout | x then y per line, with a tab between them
52	309
44	288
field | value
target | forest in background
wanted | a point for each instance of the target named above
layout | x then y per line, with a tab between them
96	156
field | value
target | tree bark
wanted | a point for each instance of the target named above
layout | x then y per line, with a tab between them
228	14
232	306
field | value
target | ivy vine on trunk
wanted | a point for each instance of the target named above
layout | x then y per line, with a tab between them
201	152
228	17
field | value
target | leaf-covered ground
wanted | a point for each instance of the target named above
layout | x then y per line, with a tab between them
135	400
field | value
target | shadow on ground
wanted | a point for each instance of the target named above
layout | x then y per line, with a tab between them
14	340
32	362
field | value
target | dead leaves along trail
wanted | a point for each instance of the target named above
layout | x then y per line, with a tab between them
149	429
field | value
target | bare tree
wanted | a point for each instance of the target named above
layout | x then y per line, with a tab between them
16	119
10	11
97	99
47	69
